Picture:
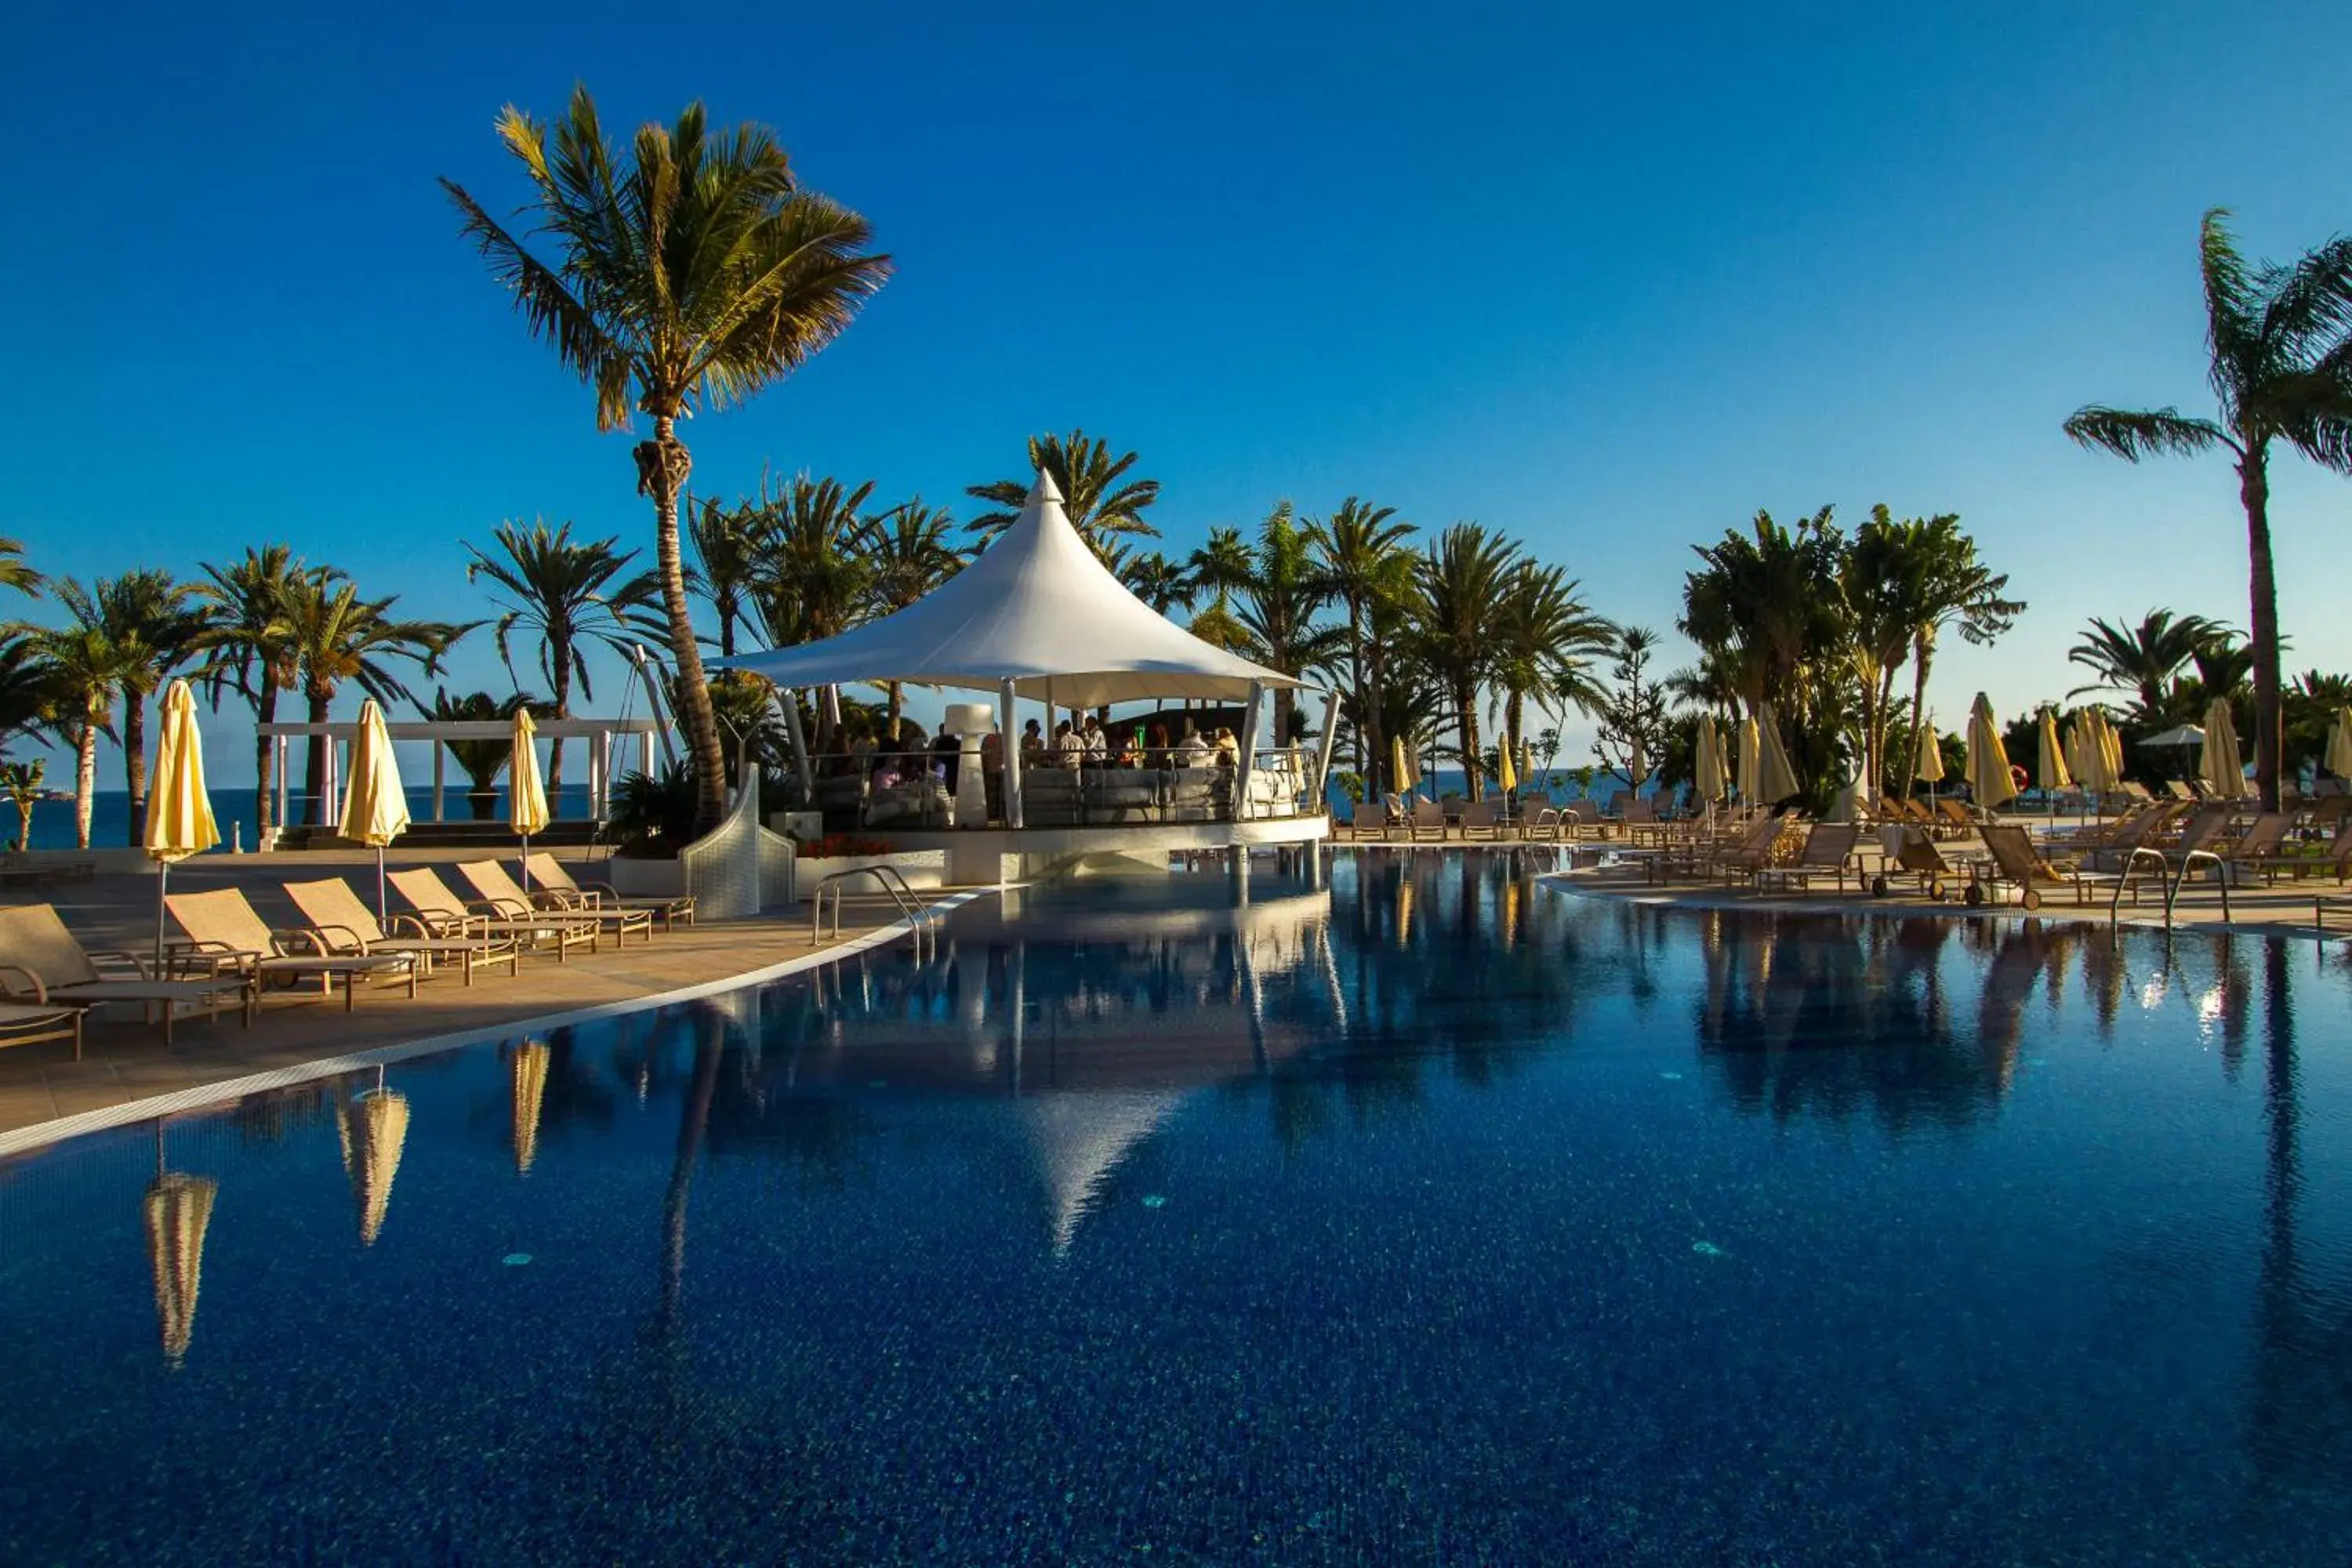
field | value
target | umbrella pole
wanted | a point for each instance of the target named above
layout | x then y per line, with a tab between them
526	864
380	914
163	887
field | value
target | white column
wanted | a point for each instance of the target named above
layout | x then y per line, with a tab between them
1009	731
1253	718
440	753
788	706
1319	800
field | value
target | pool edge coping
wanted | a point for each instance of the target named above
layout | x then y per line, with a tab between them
206	1097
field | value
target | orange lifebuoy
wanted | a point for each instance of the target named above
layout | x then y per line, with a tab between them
2017	774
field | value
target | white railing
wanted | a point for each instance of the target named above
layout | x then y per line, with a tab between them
739	868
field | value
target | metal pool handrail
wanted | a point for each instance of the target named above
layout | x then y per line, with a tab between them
2167	879
918	914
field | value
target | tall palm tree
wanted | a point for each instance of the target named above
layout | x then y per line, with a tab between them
20	784
2142	660
690	270
339	637
28	686
1947	584
2278	356
1547	644
728	548
819	576
1277	609
1361	552
91	669
1464	576
154	624
572	596
249	641
910	552
1101	503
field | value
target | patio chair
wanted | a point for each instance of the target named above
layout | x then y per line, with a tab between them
1370	820
1428	821
2260	847
2335	856
2014	859
500	891
1827	851
1746	854
227	935
343	918
443	913
1478	821
28	1023
1546	826
549	873
43	964
1916	855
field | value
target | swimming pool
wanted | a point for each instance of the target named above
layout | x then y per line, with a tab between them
1434	1215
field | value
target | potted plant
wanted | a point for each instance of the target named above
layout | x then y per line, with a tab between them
483	760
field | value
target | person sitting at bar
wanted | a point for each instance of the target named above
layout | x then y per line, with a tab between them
1097	744
1069	746
1192	751
1032	744
1229	750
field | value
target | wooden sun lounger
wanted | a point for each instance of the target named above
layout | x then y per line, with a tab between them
1428	821
491	880
549	873
340	917
1369	820
228	935
42	963
2016	861
1827	851
443	913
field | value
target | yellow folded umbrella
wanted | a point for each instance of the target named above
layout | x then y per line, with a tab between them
1507	777
2100	770
1930	768
1708	760
2051	772
2218	764
2340	744
179	812
1750	743
526	796
1989	777
375	806
1399	770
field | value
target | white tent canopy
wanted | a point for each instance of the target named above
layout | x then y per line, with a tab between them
1037	608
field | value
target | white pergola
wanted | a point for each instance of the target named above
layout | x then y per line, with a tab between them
1037	615
601	735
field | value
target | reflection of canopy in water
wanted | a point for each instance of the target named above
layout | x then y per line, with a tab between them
374	1128
529	1070
1080	1139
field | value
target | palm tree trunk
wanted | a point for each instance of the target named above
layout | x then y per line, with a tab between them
314	766
1465	708
561	651
85	781
662	466
2254	489
1922	653
898	709
1368	710
264	760
134	762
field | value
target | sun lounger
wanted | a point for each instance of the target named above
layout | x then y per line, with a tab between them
1369	820
2260	847
1916	855
443	913
1428	821
1743	854
1827	851
2014	860
28	1023
491	880
340	917
549	874
225	932
43	964
1478	821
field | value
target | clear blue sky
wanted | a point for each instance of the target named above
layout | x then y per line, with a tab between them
1609	285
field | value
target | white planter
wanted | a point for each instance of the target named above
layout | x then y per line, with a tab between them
921	868
642	878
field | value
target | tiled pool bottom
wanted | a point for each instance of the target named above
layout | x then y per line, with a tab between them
1435	1217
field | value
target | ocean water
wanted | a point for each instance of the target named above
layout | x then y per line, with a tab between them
109	817
1434	1215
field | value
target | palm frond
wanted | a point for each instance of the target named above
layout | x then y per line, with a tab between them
2133	434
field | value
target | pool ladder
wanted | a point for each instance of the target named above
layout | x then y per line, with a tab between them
920	920
2170	880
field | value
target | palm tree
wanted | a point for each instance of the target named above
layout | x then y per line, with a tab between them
819	577
339	637
1162	584
1277	611
1462	578
250	641
154	624
572	596
909	555
1100	501
28	686
2279	350
691	270
728	548
2142	660
1361	552
91	669
482	761
1546	642
21	783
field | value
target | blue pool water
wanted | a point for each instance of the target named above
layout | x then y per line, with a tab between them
1436	1216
